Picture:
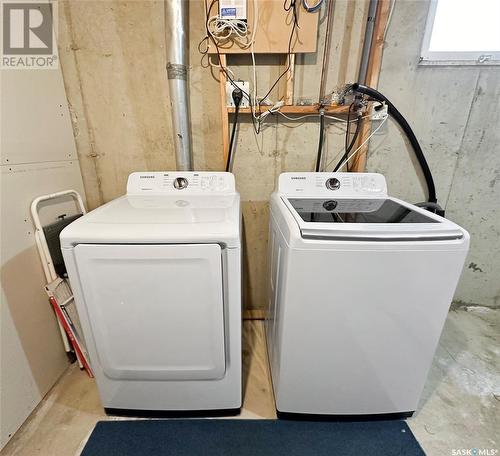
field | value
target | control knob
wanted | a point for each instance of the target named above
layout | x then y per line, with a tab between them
180	183
332	184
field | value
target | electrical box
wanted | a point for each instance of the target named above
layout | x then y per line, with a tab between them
233	9
244	86
379	112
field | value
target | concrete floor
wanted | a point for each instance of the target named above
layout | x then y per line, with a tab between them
460	406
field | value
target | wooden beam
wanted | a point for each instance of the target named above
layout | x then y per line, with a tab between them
377	48
224	110
372	76
254	314
299	109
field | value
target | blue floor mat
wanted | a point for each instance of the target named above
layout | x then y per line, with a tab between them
251	438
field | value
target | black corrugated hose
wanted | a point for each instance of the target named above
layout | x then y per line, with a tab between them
398	117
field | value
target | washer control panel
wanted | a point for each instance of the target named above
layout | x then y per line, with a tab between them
180	183
332	184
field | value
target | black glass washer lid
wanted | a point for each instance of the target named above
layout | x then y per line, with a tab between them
374	210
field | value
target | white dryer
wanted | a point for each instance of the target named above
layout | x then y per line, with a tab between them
156	276
360	287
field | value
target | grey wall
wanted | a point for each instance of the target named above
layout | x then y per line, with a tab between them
454	112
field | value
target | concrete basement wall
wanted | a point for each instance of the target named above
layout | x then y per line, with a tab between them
454	112
112	56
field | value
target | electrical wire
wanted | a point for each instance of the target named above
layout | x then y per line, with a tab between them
327	48
306	116
210	37
256	126
314	8
343	120
389	17
291	6
216	65
234	30
237	96
347	135
229	164
361	145
349	145
257	118
254	67
321	139
225	29
348	129
214	37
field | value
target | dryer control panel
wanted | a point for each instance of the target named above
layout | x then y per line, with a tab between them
180	182
338	185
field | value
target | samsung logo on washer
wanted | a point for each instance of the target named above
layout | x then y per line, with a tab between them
146	177
298	177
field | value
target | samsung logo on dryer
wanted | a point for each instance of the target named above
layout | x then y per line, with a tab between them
146	177
298	178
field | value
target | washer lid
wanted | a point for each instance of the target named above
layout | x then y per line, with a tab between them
368	219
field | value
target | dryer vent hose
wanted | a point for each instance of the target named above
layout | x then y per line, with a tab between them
398	117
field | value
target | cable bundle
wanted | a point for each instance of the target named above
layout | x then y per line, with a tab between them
229	29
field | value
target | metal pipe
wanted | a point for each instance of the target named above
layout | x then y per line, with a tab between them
367	44
176	45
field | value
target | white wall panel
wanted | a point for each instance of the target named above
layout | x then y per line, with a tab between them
36	123
32	355
38	157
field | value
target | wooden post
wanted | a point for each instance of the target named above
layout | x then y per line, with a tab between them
224	110
289	80
285	87
374	63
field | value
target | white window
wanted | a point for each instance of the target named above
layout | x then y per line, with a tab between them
462	32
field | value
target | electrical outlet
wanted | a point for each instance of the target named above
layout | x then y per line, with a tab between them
378	112
244	86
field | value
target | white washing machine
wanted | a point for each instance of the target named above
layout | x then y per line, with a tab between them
360	287
156	276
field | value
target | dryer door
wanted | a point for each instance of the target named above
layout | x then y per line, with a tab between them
155	311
